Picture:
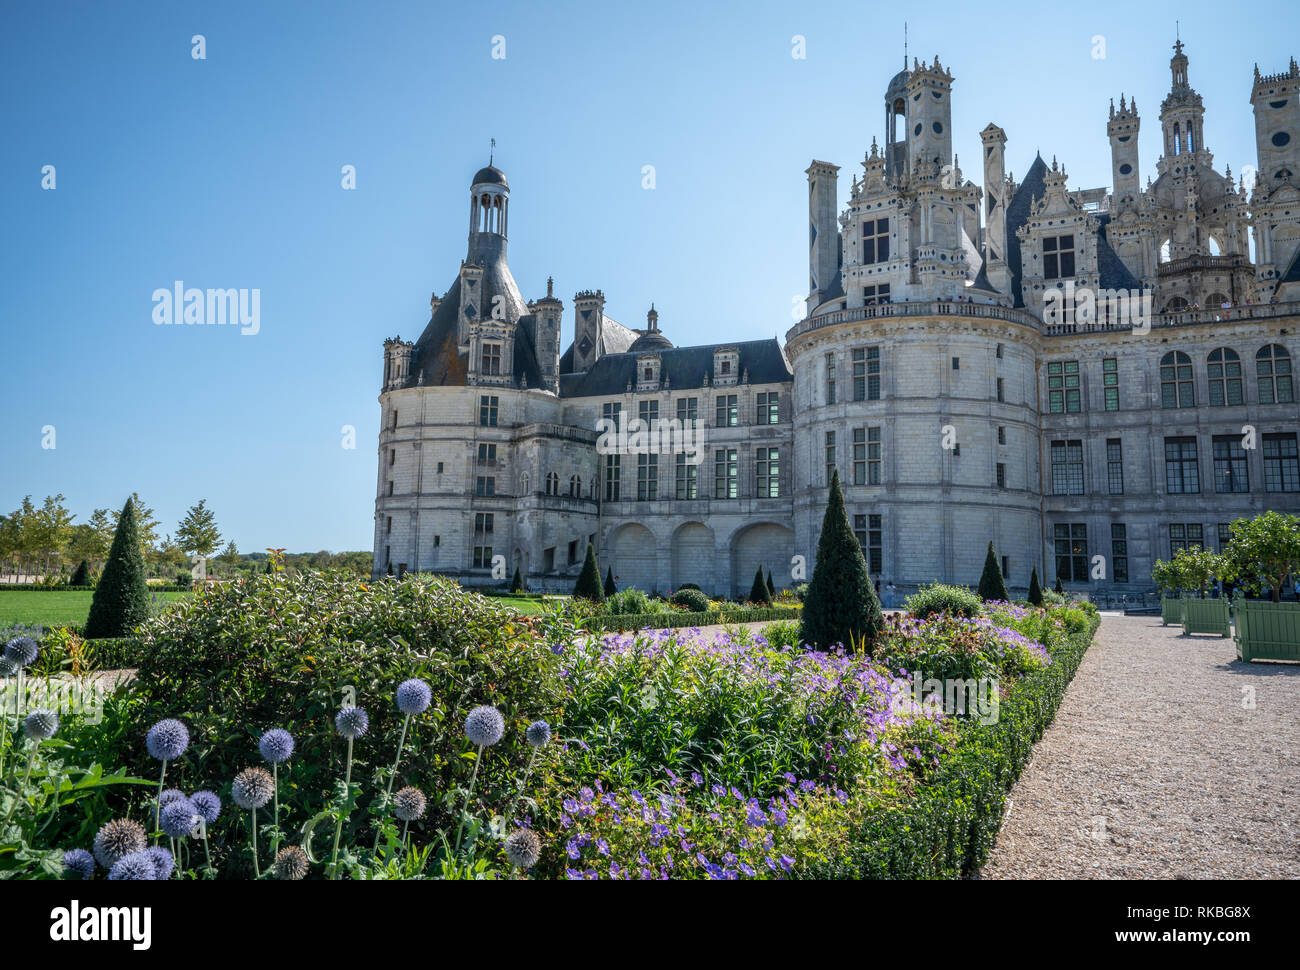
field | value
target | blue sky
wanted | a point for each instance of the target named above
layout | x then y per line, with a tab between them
225	172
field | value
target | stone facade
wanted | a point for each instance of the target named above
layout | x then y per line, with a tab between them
1091	378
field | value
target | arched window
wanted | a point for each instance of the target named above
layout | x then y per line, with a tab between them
1224	367
1176	305
1166	252
552	483
575	487
1217	301
1273	371
1176	389
1178	138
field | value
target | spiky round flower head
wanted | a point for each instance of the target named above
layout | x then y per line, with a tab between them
409	804
352	722
523	848
135	865
413	696
78	862
167	740
21	651
117	838
40	724
538	733
163	863
178	818
484	726
169	796
7	667
253	788
290	864
276	745
207	805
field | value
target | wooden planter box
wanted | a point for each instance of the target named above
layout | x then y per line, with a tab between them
1267	631
1206	616
1171	610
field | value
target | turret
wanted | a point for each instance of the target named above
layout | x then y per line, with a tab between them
1122	128
588	328
824	253
995	207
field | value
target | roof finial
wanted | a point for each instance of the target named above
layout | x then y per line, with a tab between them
904	45
492	152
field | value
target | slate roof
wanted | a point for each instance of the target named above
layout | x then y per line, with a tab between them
1111	271
1292	275
490	175
1033	187
684	368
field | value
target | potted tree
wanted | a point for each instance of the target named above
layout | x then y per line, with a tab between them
1265	551
1197	569
1165	576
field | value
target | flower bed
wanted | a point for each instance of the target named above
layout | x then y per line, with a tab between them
678	619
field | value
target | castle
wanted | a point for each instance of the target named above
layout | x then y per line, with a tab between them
1091	379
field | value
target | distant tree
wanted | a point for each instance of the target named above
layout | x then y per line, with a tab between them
82	576
610	588
1060	590
120	602
197	534
588	586
230	557
771	588
840	605
992	586
758	591
517	583
1035	591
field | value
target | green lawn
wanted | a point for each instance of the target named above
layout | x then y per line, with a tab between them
48	609
521	604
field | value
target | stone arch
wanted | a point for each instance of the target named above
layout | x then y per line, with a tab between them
693	556
768	543
632	556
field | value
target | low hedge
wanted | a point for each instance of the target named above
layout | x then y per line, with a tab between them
664	621
35	588
948	827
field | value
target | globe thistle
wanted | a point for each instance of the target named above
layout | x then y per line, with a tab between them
409	804
207	805
253	788
276	745
40	724
7	667
290	864
523	848
78	862
485	726
352	722
169	796
21	651
163	862
135	865
117	838
413	696
538	734
178	818
167	740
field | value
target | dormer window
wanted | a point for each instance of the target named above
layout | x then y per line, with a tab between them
726	368
491	360
726	365
1058	257
648	371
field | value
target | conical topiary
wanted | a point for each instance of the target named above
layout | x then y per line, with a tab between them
992	585
121	600
517	582
840	605
588	585
82	576
1035	591
610	588
1060	590
758	592
771	588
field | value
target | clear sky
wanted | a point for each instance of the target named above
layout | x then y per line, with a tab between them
225	172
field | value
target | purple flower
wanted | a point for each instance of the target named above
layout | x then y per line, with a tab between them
167	740
413	696
276	745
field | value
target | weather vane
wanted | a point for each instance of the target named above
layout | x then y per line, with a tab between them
492	152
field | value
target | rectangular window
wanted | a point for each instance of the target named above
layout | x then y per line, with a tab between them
573	552
483	523
613	468
830	456
1002	391
726	472
867	529
830	378
875	241
1071	545
769	408
956	363
1119	552
1185	535
875	295
686	478
648	412
548	560
1281	463
1006	568
1058	257
866	374
688	411
769	473
1182	474
1110	382
485	485
1002	475
1063	387
611	411
1114	466
1000	348
482	557
728	411
492	359
647	478
859	456
873	456
1002	435
1067	467
486	452
1225	535
1177	389
1224	374
1230	471
487	410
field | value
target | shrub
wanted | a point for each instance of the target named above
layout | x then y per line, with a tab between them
692	599
801	592
771	588
1035	590
938	598
781	634
517	581
588	586
840	605
120	603
630	600
610	588
1060	590
82	576
758	592
688	586
992	586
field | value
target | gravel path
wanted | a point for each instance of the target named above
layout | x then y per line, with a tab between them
1160	765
